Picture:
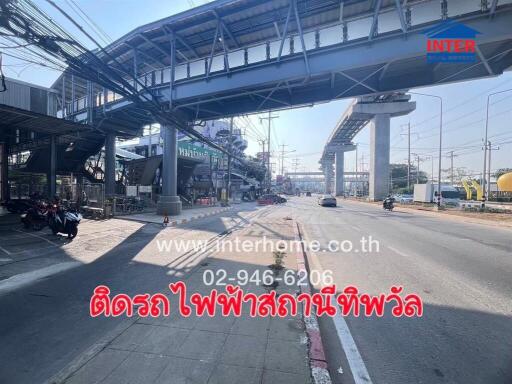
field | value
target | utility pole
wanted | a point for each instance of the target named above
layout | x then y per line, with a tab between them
408	134
452	175
489	172
487	135
269	119
283	154
418	159
295	164
282	158
364	185
357	173
489	169
409	157
262	143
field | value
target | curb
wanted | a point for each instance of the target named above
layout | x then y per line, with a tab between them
202	215
317	360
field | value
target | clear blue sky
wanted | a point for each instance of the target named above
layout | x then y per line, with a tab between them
306	130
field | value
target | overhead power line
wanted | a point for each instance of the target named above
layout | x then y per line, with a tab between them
23	20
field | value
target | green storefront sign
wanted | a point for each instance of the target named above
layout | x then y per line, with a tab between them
191	151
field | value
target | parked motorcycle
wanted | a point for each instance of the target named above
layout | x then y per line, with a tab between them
64	221
35	218
18	205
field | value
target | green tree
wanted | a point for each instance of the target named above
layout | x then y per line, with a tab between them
399	177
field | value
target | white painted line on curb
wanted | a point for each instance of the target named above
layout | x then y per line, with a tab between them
320	375
355	361
23	279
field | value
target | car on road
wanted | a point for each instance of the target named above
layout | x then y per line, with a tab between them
406	199
308	194
270	199
327	201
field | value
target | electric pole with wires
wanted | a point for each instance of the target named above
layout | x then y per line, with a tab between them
269	171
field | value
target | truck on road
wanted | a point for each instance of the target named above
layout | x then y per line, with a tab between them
427	193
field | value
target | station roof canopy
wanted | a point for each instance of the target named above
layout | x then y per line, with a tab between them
21	119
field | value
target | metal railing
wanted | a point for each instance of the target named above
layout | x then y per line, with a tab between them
328	35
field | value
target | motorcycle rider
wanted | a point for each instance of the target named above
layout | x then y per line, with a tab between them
388	202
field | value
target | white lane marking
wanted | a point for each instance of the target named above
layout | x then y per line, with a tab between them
4	259
355	361
398	251
5	250
18	281
37	236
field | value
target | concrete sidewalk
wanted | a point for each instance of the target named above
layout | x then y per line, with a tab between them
27	255
206	349
185	216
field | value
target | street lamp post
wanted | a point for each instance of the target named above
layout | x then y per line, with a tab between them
440	143
484	181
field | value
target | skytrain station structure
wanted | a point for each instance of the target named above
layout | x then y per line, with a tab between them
228	58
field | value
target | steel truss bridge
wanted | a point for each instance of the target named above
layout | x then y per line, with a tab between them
244	56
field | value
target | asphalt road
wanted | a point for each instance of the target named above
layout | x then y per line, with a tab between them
463	272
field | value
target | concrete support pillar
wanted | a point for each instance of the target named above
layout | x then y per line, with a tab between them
379	157
51	176
4	172
110	164
340	174
169	202
328	180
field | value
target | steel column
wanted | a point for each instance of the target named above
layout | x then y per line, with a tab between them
4	172
212	53
301	35
285	30
63	95
169	202
73	109
173	67
110	164
51	176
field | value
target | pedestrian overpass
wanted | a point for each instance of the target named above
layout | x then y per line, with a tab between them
313	178
231	57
